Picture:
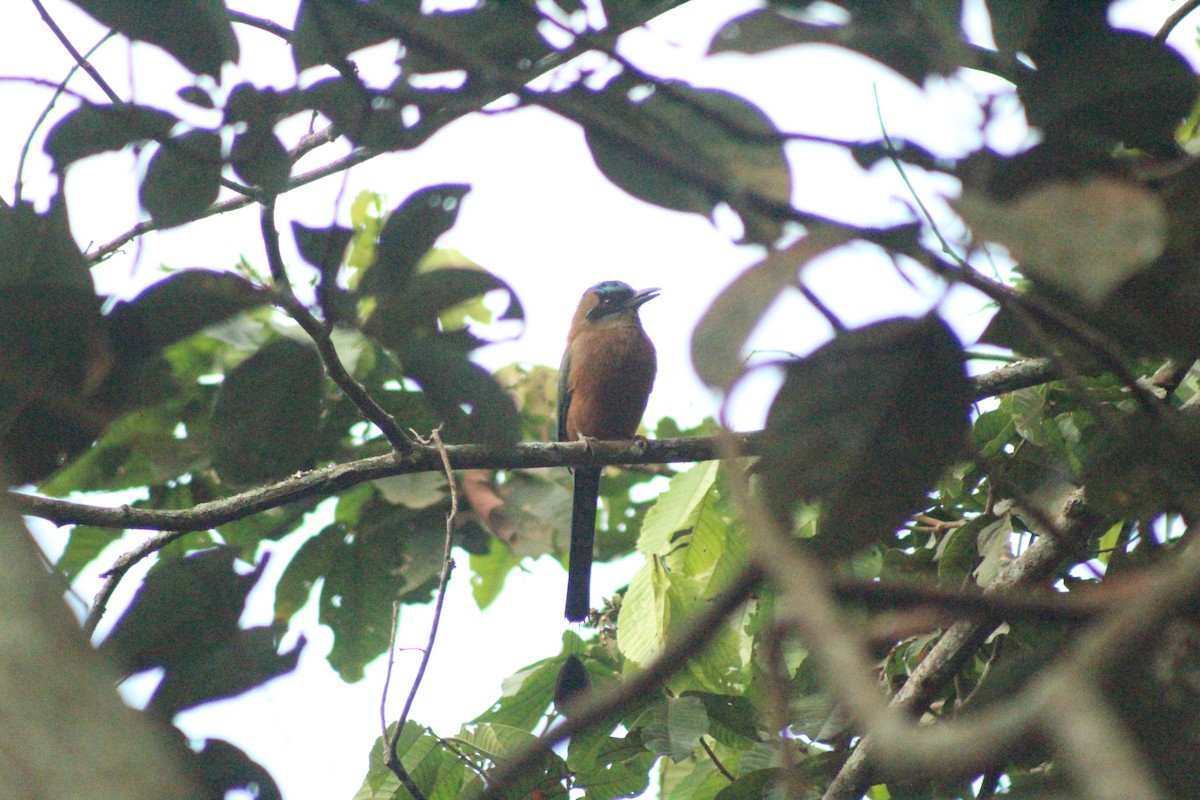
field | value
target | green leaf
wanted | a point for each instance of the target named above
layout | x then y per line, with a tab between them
994	541
956	552
865	425
488	572
409	232
645	614
327	31
92	129
499	743
525	696
197	33
721	334
260	159
676	727
610	766
176	307
183	178
312	561
677	509
267	415
471	404
707	146
224	768
437	771
84	544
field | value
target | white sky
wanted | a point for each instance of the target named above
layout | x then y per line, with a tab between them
541	217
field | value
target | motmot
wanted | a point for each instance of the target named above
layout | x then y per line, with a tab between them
603	385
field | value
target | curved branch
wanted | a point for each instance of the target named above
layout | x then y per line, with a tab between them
316	331
687	644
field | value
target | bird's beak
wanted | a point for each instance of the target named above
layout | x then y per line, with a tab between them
644	296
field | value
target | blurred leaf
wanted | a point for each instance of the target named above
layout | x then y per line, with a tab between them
1084	238
196	96
239	661
451	382
677	726
53	351
311	562
610	766
224	768
413	312
408	233
197	32
322	247
1115	86
267	414
327	31
92	129
183	178
394	553
367	118
184	608
176	307
913	39
726	325
707	146
864	425
489	572
260	159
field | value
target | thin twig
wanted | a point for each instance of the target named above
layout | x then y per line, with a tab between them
83	63
268	25
1176	17
117	571
721	768
58	92
397	768
393	759
603	704
287	300
387	675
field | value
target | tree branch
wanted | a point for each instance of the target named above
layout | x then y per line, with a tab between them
318	332
425	458
1032	567
603	705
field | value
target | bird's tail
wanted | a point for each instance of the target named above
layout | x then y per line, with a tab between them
583	535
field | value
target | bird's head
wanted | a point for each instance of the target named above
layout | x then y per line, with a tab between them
614	300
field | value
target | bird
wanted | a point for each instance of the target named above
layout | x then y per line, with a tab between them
604	382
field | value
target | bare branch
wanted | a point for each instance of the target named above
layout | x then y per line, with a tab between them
393	759
602	705
319	333
83	63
